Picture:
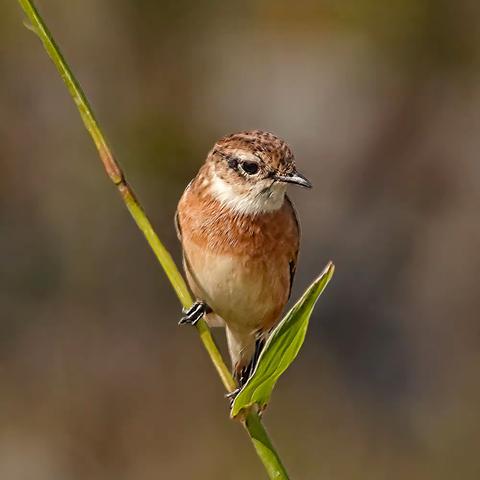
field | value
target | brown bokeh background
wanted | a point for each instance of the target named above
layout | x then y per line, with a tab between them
380	102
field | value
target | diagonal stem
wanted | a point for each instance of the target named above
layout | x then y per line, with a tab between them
252	422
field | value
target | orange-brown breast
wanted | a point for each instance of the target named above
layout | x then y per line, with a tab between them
240	264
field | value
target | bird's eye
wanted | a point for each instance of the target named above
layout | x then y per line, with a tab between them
250	168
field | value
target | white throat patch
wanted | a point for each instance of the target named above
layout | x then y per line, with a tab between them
252	202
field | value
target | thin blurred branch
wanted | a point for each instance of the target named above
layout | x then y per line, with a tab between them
251	421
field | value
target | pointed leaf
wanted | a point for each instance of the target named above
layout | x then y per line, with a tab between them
281	348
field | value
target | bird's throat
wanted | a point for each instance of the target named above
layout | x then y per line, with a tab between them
248	200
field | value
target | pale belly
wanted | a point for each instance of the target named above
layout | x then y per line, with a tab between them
248	293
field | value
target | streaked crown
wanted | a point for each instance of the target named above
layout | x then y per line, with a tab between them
272	152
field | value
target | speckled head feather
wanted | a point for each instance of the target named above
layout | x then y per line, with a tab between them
273	152
248	172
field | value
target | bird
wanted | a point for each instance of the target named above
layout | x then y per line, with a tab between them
240	238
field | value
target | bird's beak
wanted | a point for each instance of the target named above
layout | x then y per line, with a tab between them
296	178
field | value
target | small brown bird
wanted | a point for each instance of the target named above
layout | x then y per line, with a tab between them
240	238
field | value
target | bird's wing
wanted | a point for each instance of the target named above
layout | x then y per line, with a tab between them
177	226
177	219
293	262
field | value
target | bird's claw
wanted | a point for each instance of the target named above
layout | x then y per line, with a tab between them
193	314
233	395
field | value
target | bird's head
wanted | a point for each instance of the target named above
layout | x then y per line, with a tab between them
249	172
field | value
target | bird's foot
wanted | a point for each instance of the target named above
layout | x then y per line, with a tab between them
241	376
193	314
231	396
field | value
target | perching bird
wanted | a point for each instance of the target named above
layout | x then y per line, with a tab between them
240	239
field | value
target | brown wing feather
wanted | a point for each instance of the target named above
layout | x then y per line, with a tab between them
177	226
293	263
177	219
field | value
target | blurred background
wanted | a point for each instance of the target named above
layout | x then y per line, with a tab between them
380	103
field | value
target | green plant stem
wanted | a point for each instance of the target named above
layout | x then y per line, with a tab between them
252	422
263	446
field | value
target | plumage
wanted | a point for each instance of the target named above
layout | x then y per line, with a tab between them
240	238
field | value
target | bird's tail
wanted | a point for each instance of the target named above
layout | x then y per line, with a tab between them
244	349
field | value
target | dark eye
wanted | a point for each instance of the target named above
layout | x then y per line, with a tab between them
250	168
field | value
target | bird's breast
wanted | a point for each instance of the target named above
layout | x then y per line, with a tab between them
240	265
247	291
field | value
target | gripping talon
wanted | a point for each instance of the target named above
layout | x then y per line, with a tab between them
193	314
231	396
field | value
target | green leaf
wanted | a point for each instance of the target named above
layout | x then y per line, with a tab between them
281	348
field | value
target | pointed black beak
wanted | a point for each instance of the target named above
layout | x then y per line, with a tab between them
296	178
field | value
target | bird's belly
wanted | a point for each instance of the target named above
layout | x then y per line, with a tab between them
248	292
